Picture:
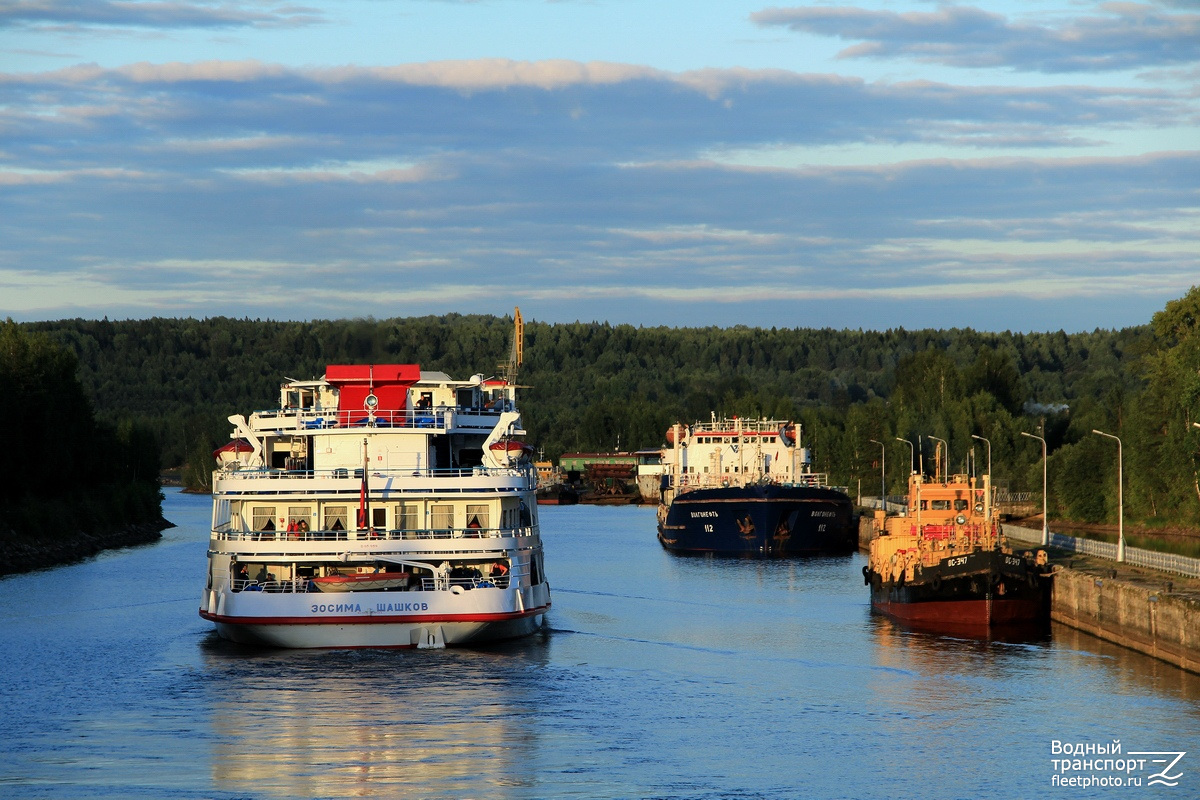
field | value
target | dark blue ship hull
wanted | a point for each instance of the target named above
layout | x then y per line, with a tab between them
766	520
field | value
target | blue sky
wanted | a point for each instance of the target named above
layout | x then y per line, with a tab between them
1001	166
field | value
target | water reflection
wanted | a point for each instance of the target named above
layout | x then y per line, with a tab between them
373	723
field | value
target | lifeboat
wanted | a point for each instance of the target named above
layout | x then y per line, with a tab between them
672	435
367	582
512	448
236	451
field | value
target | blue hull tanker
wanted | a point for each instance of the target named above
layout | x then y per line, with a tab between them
763	520
745	488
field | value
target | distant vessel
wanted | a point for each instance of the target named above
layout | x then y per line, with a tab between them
746	487
552	488
649	476
603	478
378	506
946	564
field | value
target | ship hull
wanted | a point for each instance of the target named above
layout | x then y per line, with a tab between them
761	521
378	619
974	594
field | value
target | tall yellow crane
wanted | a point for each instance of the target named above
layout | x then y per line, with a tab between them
508	370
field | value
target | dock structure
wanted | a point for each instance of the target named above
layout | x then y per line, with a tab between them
1144	608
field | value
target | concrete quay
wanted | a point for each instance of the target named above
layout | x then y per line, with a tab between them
1153	612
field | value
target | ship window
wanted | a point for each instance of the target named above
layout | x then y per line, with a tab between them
406	516
378	517
941	505
477	516
335	518
263	518
960	505
441	517
298	514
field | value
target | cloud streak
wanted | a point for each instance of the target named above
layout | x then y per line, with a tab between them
151	14
574	188
1117	36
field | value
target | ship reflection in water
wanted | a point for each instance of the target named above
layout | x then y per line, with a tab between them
358	723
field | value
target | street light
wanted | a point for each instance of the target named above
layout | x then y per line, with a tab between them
882	475
912	455
946	461
1045	520
989	444
1120	497
987	498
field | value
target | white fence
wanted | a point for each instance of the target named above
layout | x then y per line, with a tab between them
1167	562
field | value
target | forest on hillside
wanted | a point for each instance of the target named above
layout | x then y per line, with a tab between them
595	386
66	471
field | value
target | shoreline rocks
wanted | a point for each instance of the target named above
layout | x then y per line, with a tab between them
20	554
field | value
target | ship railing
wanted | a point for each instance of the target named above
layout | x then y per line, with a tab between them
688	481
942	535
434	418
729	427
525	469
435	584
291	586
229	534
426	584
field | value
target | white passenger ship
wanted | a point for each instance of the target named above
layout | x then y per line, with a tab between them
379	506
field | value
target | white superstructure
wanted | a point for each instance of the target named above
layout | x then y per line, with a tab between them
736	452
378	506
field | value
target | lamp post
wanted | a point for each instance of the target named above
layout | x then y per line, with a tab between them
987	484
947	459
912	455
1120	497
989	444
882	475
1045	520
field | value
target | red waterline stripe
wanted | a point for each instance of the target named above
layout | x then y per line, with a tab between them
370	619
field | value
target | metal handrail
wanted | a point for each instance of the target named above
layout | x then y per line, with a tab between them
438	417
427	584
1154	559
228	534
338	473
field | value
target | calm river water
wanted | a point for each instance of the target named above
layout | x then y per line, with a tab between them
659	677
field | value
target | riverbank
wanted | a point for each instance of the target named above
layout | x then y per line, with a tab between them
24	554
1147	610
